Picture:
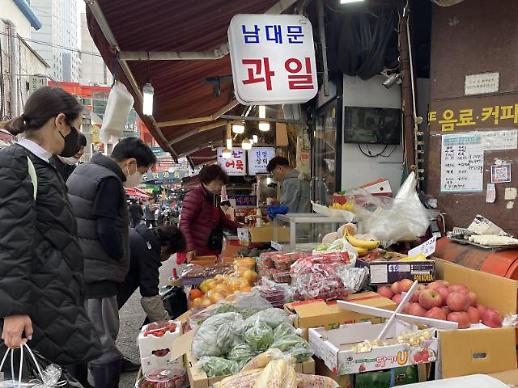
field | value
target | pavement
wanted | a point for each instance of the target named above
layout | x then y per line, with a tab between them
131	318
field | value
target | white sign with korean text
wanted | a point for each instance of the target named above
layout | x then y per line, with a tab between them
236	164
427	248
273	59
481	83
462	163
500	140
258	158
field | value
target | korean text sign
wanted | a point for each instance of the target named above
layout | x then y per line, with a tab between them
236	164
258	158
273	59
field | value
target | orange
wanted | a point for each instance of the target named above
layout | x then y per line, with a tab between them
245	288
205	302
250	275
197	302
215	297
195	293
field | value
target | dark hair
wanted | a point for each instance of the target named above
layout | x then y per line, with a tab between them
171	238
225	203
213	172
277	161
82	140
42	105
133	147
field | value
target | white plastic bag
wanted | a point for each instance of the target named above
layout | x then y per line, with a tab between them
115	118
402	219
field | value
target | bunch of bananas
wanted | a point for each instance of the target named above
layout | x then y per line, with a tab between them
361	246
342	206
419	257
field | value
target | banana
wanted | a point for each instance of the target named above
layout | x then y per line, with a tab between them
365	244
361	251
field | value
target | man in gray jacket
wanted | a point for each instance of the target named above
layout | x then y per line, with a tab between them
294	188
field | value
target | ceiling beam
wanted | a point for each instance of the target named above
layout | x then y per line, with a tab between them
231	105
197	131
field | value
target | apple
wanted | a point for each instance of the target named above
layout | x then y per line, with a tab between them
446	310
395	288
458	301
436	284
396	299
462	318
436	313
404	285
472	298
430	298
481	308
491	318
474	314
443	291
458	288
386	292
417	310
415	296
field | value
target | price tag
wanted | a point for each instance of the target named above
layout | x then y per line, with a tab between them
427	248
243	234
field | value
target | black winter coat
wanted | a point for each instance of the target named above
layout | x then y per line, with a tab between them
41	265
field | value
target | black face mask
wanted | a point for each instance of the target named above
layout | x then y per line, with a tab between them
71	143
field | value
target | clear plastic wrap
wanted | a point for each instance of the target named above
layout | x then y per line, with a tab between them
316	277
259	336
273	317
294	346
261	360
355	279
172	377
218	366
275	293
403	218
277	374
241	354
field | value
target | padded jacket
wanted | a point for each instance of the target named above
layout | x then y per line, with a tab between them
41	265
199	217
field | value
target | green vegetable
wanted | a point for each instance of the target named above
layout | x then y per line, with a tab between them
295	346
259	336
241	354
217	366
283	329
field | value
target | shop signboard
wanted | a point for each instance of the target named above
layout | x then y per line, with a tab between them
273	59
258	158
236	164
164	177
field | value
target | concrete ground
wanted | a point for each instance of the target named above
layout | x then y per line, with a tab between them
131	318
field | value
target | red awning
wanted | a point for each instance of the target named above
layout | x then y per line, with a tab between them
135	192
181	87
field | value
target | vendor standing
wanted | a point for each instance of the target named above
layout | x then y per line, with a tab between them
202	221
294	187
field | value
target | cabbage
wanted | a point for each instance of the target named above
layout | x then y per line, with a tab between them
259	336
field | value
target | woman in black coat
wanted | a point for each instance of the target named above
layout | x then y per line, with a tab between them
41	265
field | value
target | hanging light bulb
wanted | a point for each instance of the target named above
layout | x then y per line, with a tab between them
264	126
255	139
246	144
262	111
229	143
226	153
238	128
147	99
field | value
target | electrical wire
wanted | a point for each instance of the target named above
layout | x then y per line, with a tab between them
369	153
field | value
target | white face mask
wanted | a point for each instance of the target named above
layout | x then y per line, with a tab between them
71	160
133	180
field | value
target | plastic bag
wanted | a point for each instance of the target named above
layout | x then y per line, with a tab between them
278	373
259	336
402	219
241	354
313	381
120	102
261	360
273	317
217	335
244	379
282	330
316	277
354	279
218	366
339	245
294	346
275	293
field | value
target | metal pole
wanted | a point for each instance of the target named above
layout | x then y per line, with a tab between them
13	86
322	36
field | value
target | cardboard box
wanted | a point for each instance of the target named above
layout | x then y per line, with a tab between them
155	351
317	313
509	377
264	234
335	348
198	378
385	272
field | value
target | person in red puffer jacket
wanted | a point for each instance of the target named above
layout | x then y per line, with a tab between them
202	221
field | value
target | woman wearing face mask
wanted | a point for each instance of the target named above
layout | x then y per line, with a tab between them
65	166
96	192
202	221
41	263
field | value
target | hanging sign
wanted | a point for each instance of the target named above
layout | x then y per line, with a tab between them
236	164
258	158
273	59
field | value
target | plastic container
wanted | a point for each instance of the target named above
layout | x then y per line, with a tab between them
164	378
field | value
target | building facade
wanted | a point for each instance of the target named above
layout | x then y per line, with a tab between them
93	71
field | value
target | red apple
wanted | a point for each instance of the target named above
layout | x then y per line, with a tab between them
417	310
474	314
491	318
446	310
436	284
395	288
458	301
404	285
481	308
429	299
472	298
443	291
386	292
461	318
458	288
396	299
415	296
436	313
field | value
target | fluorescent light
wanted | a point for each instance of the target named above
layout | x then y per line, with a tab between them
238	128
255	139
262	111
350	1
264	126
226	153
147	99
246	144
229	143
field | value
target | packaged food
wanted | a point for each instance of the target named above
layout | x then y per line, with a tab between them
174	377
158	329
282	277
